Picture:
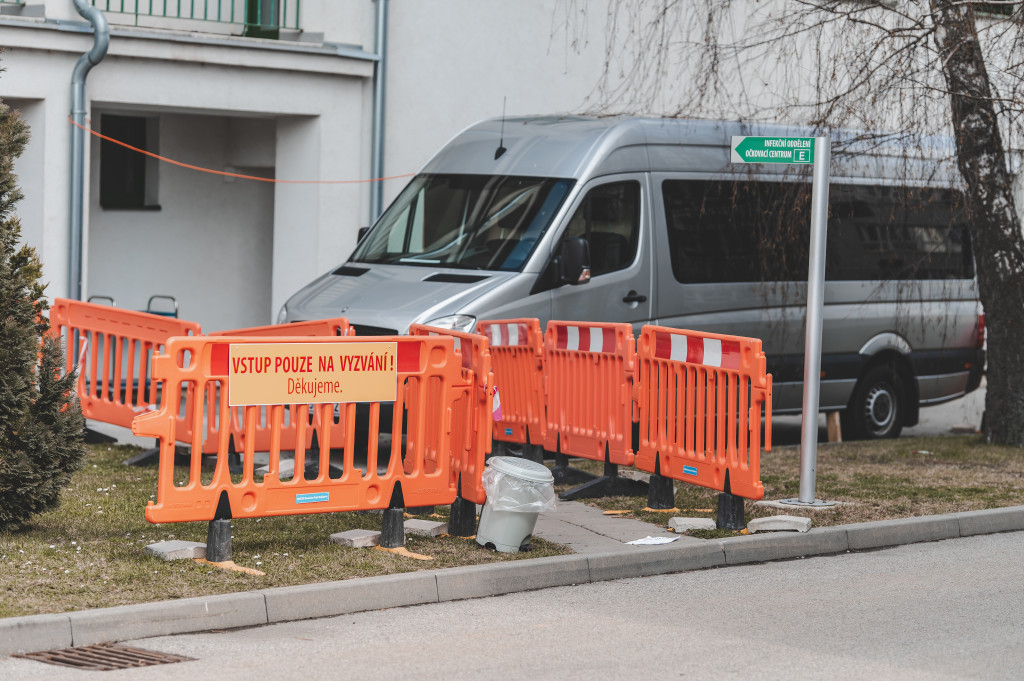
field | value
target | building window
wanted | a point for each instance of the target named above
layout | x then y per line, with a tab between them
128	179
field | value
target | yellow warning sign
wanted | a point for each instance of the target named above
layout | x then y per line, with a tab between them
300	373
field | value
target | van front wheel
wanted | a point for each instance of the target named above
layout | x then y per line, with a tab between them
877	408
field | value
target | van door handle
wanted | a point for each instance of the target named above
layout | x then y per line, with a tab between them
634	297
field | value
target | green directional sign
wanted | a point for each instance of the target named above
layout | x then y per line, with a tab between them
772	149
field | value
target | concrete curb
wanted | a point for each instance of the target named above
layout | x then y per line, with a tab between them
655	560
289	603
760	548
252	608
492	579
903	531
225	611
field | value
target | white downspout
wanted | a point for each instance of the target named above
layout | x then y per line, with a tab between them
379	87
101	40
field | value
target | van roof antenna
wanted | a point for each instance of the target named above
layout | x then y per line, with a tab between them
501	140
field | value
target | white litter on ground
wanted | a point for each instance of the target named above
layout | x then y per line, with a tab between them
652	540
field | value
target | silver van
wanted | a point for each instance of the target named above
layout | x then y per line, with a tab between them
647	221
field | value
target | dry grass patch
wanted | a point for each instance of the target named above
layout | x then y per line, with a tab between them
90	552
874	480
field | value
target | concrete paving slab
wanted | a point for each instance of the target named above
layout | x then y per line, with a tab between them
585	529
430	528
684	524
357	538
355	595
779	523
177	549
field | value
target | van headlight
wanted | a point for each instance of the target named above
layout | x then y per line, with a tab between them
455	322
282	315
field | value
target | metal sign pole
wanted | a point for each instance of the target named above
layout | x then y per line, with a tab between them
816	150
812	343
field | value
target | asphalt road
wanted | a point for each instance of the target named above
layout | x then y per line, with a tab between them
942	610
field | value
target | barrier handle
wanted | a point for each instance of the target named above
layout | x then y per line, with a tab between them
148	424
468	425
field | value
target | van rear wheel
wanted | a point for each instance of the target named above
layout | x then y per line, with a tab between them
877	408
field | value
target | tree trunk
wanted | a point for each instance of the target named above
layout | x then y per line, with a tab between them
995	228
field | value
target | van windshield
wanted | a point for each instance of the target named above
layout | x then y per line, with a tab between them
483	222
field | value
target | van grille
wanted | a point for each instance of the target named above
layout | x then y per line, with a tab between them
365	330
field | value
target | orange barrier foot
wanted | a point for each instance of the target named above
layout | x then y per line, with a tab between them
662	510
402	551
231	566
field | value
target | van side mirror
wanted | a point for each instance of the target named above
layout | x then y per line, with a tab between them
362	232
575	259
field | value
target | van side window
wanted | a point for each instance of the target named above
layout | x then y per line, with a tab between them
609	219
746	231
897	233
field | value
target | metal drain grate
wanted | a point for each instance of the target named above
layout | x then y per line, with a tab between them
103	657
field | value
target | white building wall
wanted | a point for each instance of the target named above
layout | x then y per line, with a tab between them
30	169
219	104
210	243
43	168
340	21
452	63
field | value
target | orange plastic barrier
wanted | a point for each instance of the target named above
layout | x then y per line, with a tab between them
588	377
473	415
428	383
517	358
700	408
113	349
337	326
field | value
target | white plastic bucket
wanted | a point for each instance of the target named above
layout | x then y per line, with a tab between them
518	490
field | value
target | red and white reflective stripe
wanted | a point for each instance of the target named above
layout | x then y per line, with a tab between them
458	341
711	352
467	359
505	334
585	338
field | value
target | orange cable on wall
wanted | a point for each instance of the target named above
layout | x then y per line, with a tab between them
224	172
